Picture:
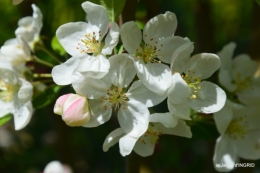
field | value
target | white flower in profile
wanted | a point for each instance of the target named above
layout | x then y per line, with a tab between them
160	123
86	44
187	89
15	96
157	44
114	92
237	75
29	27
17	52
239	135
57	167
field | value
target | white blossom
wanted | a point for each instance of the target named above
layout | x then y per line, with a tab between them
15	96
239	135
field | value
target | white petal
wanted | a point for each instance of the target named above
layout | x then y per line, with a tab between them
62	73
28	35
226	55
179	90
5	107
249	146
181	110
167	119
25	92
22	116
122	70
25	47
181	129
224	117
209	99
100	114
144	149
203	65
160	27
134	118
92	88
127	144
71	34
112	139
54	167
168	45
141	93
131	36
97	16
181	57
111	39
155	76
225	78
94	66
225	153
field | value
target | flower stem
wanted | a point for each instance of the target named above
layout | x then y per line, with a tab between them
35	59
49	53
43	75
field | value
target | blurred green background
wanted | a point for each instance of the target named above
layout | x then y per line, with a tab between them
210	24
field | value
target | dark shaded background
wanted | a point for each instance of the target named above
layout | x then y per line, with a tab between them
210	24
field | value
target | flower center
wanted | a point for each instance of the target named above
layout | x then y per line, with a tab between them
5	91
115	98
152	133
193	82
90	45
243	84
148	53
238	128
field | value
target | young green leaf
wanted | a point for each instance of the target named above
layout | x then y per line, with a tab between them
46	97
5	119
56	46
113	7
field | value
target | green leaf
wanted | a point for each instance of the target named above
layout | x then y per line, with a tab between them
5	119
113	7
46	97
258	1
56	46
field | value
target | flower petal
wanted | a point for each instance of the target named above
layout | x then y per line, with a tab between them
71	34
92	88
160	27
203	65
94	66
209	99
181	57
96	16
181	129
249	146
226	55
224	154
179	90
166	119
181	110
25	92
62	74
22	116
100	114
145	148
131	36
225	79
111	39
155	76
168	45
139	92
122	70
134	118
224	117
126	144
112	139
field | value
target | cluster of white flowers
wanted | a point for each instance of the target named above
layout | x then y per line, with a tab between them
238	121
157	66
15	91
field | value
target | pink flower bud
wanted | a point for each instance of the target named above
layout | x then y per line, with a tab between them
73	109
